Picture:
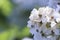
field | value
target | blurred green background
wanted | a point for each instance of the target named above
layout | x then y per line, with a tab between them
11	26
14	15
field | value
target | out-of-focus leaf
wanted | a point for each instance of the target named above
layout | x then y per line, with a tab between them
8	34
24	33
6	6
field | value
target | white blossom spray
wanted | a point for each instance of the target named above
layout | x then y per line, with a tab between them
44	24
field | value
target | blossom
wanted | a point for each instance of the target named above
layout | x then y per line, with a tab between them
43	23
34	15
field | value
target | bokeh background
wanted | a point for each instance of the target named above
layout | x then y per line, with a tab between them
14	15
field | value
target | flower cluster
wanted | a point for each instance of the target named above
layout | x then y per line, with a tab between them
44	23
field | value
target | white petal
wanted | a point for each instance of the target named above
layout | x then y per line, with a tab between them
58	20
57	31
34	14
53	24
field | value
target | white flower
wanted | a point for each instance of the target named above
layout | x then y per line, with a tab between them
48	32
57	20
34	15
47	18
30	24
48	11
57	31
43	23
33	31
49	36
44	20
53	24
56	15
41	10
58	8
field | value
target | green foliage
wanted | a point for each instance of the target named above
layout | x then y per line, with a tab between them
24	32
12	33
7	31
6	6
7	35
